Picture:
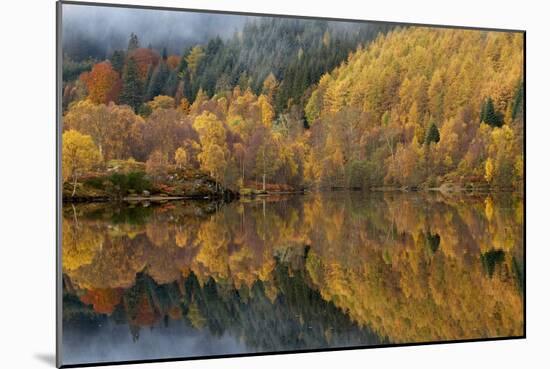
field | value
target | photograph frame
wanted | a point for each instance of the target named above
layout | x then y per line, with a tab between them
59	182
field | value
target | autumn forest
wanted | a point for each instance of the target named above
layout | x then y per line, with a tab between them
237	184
364	108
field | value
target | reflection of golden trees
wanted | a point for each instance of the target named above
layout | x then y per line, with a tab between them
80	244
409	289
213	239
114	267
158	235
411	267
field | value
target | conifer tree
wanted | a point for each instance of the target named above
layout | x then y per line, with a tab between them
158	80
133	43
171	84
517	105
489	115
131	86
432	135
117	61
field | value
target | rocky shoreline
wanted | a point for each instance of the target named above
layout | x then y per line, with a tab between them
122	187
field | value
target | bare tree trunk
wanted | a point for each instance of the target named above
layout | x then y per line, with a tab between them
390	145
215	181
74	185
242	165
263	176
242	218
75	217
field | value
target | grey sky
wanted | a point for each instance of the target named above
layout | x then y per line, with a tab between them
110	27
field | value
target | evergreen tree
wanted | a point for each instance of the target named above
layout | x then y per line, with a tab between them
187	88
148	78
117	60
243	81
158	80
164	54
432	135
131	93
223	84
489	115
517	105
171	84
133	43
182	67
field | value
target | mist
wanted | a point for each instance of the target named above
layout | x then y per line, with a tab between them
109	341
96	31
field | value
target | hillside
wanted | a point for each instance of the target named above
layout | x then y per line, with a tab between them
293	52
421	106
416	108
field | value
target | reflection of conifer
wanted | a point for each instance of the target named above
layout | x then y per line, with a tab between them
134	331
491	259
119	315
518	274
432	241
298	318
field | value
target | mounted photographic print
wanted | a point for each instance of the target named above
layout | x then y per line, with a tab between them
241	184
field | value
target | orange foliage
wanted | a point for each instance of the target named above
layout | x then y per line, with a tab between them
145	315
104	300
173	61
103	83
144	58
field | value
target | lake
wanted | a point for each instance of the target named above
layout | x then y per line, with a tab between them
280	273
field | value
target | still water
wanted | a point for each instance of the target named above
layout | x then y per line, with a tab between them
338	269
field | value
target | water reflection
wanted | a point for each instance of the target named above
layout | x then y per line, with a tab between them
289	273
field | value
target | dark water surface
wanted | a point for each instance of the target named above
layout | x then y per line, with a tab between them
337	269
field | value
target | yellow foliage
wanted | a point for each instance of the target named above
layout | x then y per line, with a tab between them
213	155
411	78
80	245
162	102
184	106
194	58
270	86
267	111
180	157
489	170
79	154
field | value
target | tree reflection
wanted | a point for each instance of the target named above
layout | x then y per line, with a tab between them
304	272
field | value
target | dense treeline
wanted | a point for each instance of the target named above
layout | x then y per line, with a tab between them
231	137
416	107
421	107
296	52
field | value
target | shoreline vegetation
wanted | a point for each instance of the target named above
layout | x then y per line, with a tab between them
405	108
191	184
